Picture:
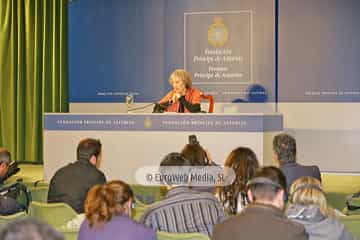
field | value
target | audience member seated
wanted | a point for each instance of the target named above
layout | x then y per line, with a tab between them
198	156
108	214
244	163
263	217
29	229
71	183
183	210
5	159
308	206
8	205
284	147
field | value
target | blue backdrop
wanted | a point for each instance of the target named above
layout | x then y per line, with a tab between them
132	46
319	53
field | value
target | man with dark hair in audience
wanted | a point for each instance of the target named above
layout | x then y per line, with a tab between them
71	183
8	205
263	218
183	210
284	147
29	229
5	159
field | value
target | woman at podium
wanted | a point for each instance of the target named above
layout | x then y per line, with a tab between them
183	98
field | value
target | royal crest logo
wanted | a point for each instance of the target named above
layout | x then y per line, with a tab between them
218	33
147	122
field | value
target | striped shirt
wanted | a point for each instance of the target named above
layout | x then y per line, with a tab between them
184	211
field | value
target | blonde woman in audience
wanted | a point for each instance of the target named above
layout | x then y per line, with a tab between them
308	206
244	163
108	214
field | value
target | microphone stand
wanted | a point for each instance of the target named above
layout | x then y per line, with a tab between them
140	108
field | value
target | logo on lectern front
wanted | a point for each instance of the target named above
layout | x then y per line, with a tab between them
147	122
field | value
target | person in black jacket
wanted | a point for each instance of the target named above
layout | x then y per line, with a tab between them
71	183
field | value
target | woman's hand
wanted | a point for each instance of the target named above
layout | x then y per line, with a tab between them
209	158
178	94
175	97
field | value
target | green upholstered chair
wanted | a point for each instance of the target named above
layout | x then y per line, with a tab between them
336	199
138	212
181	236
69	234
55	214
352	224
39	194
148	194
338	187
9	218
139	209
139	203
341	183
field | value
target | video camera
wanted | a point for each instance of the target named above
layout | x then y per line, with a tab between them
193	140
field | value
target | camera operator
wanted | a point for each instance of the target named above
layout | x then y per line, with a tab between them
196	154
8	205
198	157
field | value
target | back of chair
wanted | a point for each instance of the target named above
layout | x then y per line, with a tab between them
148	194
181	236
69	234
336	199
137	212
9	218
210	98
352	224
39	194
55	214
